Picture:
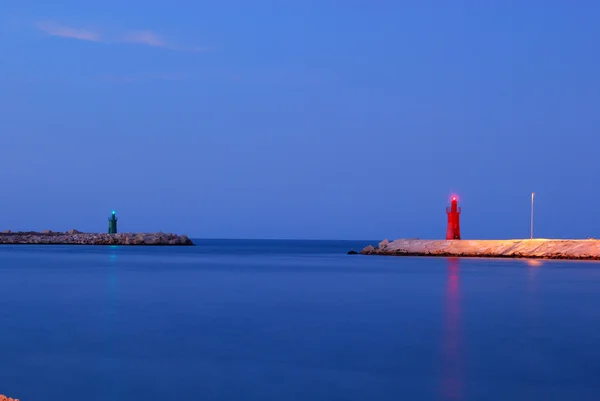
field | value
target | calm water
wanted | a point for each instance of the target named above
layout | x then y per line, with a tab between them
277	320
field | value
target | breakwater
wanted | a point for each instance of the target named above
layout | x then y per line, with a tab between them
535	248
74	237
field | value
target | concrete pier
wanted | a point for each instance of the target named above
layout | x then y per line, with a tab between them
517	248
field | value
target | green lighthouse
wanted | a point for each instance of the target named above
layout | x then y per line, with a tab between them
112	223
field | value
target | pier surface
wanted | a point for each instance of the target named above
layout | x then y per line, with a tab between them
74	237
535	248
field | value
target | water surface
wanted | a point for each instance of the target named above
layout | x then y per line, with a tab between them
293	320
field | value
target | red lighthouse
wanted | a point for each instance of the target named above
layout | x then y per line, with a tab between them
453	212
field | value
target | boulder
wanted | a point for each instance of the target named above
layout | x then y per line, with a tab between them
383	244
138	239
151	239
368	250
352	252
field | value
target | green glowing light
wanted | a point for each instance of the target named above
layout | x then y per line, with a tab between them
113	212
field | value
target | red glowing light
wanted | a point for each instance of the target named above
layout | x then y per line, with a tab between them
454	198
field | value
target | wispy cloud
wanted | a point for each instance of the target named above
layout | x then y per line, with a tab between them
144	38
54	29
149	38
137	37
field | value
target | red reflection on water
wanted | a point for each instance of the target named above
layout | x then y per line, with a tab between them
452	385
534	262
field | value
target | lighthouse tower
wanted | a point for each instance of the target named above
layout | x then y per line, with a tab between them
453	212
112	223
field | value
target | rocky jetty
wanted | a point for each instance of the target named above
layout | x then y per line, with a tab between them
74	237
5	398
537	248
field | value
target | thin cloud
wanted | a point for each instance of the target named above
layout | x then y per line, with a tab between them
138	37
148	38
54	29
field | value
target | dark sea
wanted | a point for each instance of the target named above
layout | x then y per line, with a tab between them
293	320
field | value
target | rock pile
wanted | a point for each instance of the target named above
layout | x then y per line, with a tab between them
5	398
74	237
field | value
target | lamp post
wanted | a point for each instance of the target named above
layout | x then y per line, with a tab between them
531	226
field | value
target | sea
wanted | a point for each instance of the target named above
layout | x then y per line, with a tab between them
274	320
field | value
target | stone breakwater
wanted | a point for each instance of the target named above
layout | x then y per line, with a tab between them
74	237
5	398
536	248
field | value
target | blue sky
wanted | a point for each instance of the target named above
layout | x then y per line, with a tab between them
314	119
